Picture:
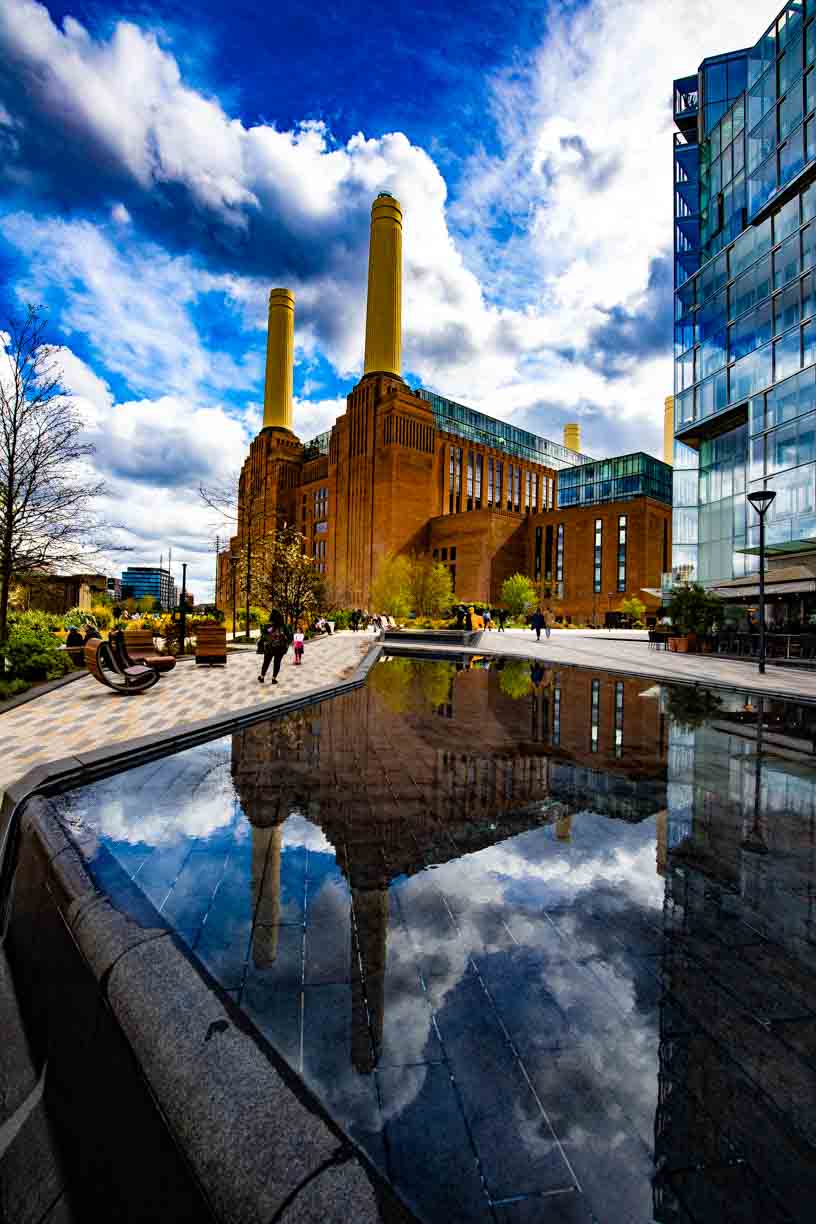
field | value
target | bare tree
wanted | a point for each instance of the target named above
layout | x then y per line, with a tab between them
285	576
46	517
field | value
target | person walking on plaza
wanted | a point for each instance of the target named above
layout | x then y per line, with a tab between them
488	620
297	645
273	644
547	622
502	615
538	622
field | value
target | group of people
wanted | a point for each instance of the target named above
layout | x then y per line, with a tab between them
75	641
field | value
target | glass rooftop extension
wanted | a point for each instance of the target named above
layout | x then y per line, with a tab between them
317	446
619	479
478	427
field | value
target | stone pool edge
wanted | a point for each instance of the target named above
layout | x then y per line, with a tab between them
260	1145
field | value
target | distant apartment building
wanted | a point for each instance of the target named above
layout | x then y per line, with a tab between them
140	580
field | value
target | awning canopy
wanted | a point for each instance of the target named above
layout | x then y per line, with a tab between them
784	580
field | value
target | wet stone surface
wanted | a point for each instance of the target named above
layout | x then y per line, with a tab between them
541	940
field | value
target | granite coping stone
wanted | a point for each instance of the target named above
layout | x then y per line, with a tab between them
252	1142
259	1143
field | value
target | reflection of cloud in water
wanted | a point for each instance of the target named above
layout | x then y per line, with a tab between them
298	831
605	877
161	817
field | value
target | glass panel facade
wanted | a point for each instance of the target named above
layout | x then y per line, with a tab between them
475	426
597	556
745	337
609	480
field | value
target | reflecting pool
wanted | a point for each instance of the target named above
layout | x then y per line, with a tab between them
543	940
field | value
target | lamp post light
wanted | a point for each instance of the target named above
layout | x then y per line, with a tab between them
761	500
233	566
183	608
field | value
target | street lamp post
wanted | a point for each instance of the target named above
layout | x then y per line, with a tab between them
761	500
183	609
233	567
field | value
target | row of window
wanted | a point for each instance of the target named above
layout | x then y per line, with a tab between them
494	484
595	716
546	537
751	245
749	375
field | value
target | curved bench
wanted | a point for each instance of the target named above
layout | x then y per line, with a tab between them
126	681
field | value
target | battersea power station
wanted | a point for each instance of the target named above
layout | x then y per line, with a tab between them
406	471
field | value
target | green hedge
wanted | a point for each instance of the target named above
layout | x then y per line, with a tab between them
33	655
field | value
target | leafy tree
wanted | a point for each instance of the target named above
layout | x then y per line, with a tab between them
518	594
515	680
693	609
391	589
690	706
429	587
633	607
284	576
392	680
46	493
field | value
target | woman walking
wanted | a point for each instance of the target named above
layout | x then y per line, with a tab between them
274	644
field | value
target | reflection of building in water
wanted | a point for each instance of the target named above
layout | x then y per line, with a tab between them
737	1080
424	765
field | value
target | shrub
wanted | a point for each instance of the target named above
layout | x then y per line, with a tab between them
36	656
12	688
341	618
693	609
518	594
102	615
40	622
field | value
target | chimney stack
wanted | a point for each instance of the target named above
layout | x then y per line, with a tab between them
280	358
572	437
383	342
668	430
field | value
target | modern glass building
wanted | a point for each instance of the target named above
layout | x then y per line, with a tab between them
139	580
611	480
745	331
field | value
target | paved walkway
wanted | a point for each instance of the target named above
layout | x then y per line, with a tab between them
629	652
86	715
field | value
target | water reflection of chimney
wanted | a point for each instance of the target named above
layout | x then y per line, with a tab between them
368	952
563	827
266	870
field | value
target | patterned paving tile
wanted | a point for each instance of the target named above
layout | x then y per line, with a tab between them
85	715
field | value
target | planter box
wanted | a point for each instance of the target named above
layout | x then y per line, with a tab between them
678	644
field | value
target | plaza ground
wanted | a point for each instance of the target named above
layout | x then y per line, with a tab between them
84	715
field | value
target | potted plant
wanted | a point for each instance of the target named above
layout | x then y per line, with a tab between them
693	612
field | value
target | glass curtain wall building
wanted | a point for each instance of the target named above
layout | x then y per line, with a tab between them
745	333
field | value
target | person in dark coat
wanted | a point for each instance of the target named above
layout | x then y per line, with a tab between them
91	632
74	645
275	643
502	617
538	622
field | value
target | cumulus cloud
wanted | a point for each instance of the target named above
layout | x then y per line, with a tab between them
155	221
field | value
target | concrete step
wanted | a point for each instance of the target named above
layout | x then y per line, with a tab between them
430	637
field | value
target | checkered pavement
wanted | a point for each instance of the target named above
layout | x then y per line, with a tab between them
85	715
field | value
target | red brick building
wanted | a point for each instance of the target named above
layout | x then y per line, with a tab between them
408	471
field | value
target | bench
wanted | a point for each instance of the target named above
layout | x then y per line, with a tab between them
140	648
104	667
211	645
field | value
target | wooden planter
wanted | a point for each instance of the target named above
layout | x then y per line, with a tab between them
680	644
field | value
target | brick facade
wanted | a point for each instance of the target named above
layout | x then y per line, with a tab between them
647	553
392	482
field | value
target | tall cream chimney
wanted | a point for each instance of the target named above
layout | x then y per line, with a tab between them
280	360
572	436
383	342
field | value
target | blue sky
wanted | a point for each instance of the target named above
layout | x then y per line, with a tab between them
159	172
